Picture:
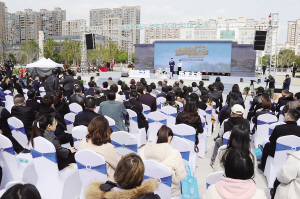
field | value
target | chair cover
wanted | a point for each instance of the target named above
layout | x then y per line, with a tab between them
75	108
226	137
139	134
159	102
263	124
183	147
18	131
124	142
213	178
156	120
9	102
146	110
69	119
202	137
111	123
79	133
171	114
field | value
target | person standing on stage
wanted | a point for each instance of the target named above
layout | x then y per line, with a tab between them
179	66
294	70
172	64
264	69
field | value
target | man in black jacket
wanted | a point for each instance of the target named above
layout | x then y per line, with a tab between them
52	83
91	90
77	97
264	97
215	96
98	96
32	101
148	99
68	82
88	114
137	107
132	87
4	84
36	83
271	81
290	128
236	118
23	113
78	82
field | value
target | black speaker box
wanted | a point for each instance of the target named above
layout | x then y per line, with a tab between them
205	77
90	41
124	75
259	40
277	90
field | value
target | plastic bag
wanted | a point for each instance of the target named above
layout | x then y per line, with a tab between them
189	186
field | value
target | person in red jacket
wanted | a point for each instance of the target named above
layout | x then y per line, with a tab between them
112	65
21	73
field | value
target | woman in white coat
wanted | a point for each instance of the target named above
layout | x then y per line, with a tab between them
165	154
238	183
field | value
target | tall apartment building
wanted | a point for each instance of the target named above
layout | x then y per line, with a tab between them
3	21
161	34
72	27
293	33
118	16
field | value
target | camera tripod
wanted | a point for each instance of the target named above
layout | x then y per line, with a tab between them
251	89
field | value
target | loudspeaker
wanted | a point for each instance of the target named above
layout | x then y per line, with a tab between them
90	41
97	74
278	90
205	77
241	80
260	40
124	75
259	81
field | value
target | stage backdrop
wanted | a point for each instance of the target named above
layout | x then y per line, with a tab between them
144	57
195	56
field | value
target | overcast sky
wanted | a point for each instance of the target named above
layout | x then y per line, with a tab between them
160	11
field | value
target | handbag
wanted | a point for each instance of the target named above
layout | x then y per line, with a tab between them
189	185
258	151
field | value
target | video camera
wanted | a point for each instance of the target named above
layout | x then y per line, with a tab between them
252	81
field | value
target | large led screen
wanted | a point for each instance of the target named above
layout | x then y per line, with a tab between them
195	56
144	57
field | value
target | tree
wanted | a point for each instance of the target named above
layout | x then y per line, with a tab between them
31	50
65	50
297	62
11	56
75	53
265	60
286	57
50	49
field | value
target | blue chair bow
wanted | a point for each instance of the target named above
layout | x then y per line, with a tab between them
50	156
76	139
100	168
21	129
76	112
214	106
147	112
259	122
113	127
8	150
161	121
181	108
207	185
225	141
166	180
189	137
133	118
158	106
282	147
185	155
203	124
208	112
170	114
270	131
280	112
68	122
132	147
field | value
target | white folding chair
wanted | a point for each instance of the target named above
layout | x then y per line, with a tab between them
9	102
25	90
69	119
159	102
153	95
214	112
111	123
202	137
298	122
188	133
156	120
42	91
123	97
208	120
171	114
7	92
226	137
262	132
52	183
97	109
180	105
154	169
91	167
281	116
146	110
183	147
124	142
213	178
18	131
75	108
15	167
139	134
202	112
284	145
79	133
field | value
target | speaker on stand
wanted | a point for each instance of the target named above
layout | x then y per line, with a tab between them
90	41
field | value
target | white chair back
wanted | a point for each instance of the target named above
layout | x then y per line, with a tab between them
25	90
262	132
146	110
298	122
75	108
69	119
183	147
124	142
79	133
202	113
7	92
281	116
111	123
202	145
18	131
153	95
139	134
9	102
156	120
42	91
154	170
91	167
226	137
171	114
272	127
159	102
213	178
123	97
208	120
180	105
97	109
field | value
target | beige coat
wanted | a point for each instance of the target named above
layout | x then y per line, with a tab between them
169	157
108	152
289	176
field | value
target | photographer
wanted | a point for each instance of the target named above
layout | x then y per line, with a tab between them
8	65
271	81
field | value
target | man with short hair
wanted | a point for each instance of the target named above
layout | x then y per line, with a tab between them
159	86
257	98
287	82
172	64
36	83
181	85
295	103
29	84
98	97
215	96
68	82
78	82
132	87
91	90
115	110
114	88
77	97
164	92
23	113
4	84
148	99
289	97
88	114
165	82
289	128
52	83
176	84
110	81
32	101
236	118
154	91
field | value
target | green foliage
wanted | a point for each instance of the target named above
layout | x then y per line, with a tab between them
11	56
50	50
286	58
265	60
31	50
246	89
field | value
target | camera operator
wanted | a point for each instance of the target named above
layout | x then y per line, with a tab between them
271	81
8	64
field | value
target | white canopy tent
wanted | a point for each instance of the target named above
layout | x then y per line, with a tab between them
42	67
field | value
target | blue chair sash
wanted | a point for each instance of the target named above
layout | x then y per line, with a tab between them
208	112
203	124
181	108
172	114
214	106
280	112
134	118
100	168
189	137
225	141
147	112
113	127
68	122
166	180
132	147
8	150
282	147
21	129
185	155
50	156
161	121
271	131
76	139
158	106
259	122
76	112
207	185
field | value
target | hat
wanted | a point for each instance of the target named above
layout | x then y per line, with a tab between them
237	109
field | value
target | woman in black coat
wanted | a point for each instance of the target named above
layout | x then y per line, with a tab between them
60	104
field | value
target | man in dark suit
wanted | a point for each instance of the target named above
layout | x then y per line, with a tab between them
287	82
32	101
78	82
36	83
98	96
148	99
4	84
77	97
290	128
29	84
289	97
91	90
132	87
137	107
88	114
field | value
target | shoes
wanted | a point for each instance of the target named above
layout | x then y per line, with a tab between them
26	151
212	164
272	192
260	166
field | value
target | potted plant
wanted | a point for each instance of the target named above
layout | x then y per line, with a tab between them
246	89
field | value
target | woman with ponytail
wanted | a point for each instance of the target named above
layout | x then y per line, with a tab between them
43	127
98	140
